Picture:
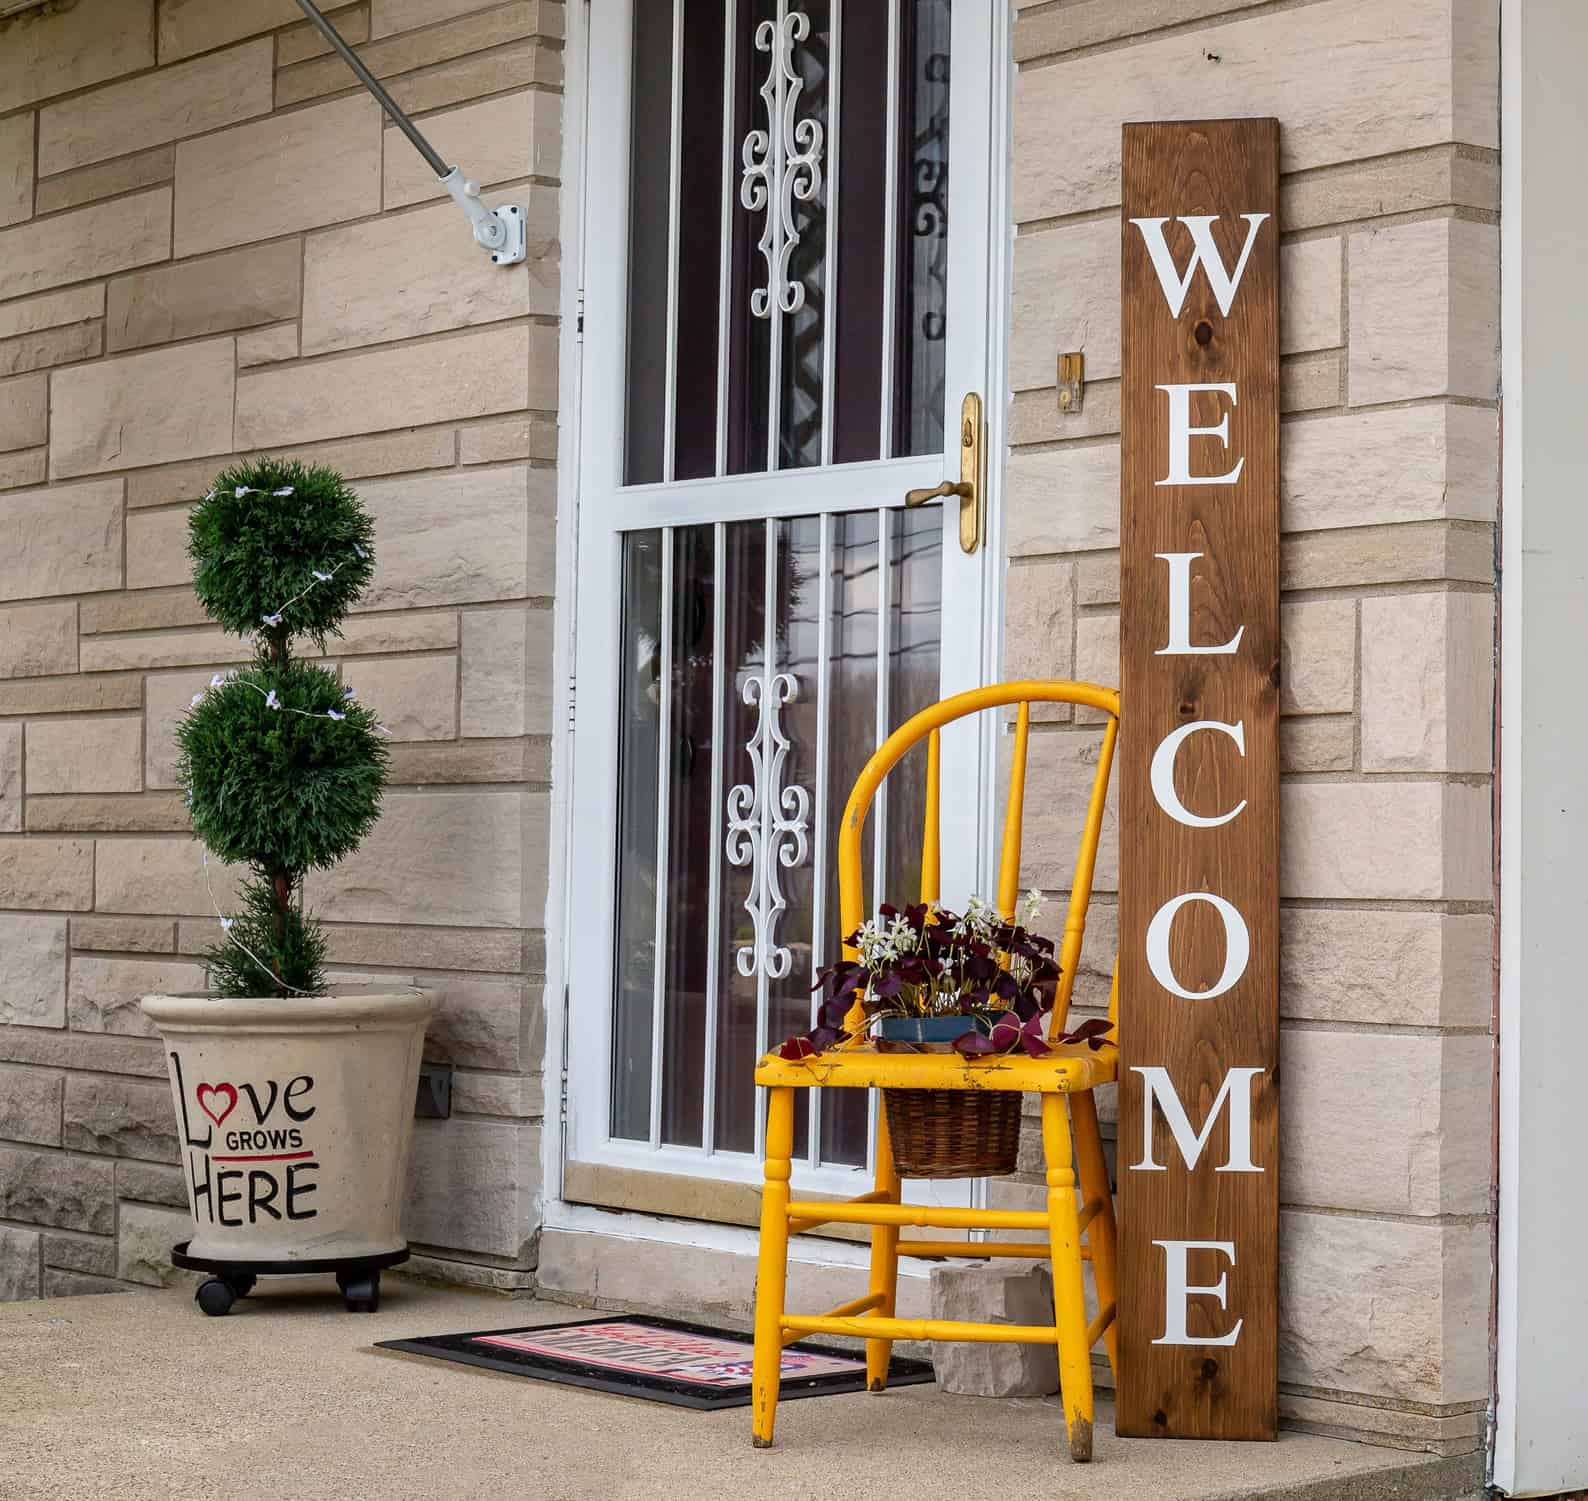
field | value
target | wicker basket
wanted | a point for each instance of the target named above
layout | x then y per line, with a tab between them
953	1133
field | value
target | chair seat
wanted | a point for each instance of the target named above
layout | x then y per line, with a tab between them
1069	1068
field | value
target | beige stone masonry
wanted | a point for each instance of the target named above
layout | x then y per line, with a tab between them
10	779
38	640
71	695
23	468
416	697
24	411
104	993
473	1184
16	169
61	541
500	695
1427	703
120	1118
388	16
447	858
52	53
1335	117
459	538
401	276
267	346
102	754
298	43
1425	302
55	346
1409	1323
107	813
236	289
401	54
1039	627
157	549
1385	1123
1062	500
30	1107
119	414
32	971
489	136
189	26
124	934
92	241
1406	464
156	108
1336	834
47	875
465	375
123	174
157	876
75	305
270	177
514	66
1317	642
1386	967
143	1245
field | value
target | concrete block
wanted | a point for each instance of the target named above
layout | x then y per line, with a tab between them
415	697
120	1118
101	754
235	289
24	411
1317	642
103	994
1039	626
143	1246
997	1293
507	672
51	875
56	1189
30	1106
1062	500
473	1185
32	971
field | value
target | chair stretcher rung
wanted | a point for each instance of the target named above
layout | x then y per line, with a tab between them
975	1250
802	1226
855	1213
875	1327
1094	1330
843	1311
1089	1212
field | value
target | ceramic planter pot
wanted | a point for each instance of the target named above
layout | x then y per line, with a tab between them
294	1118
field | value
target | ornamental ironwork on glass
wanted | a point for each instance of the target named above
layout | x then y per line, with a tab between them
782	164
768	825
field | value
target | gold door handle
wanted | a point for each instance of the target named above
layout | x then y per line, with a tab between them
972	476
914	498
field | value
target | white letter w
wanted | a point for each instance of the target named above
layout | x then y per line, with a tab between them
1204	253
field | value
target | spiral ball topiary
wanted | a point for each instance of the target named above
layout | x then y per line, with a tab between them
283	767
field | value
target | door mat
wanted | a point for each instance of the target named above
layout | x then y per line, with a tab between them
661	1360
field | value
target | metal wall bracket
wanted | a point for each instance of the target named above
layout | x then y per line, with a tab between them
1072	383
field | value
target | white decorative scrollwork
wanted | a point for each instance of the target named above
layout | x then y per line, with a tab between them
782	164
767	825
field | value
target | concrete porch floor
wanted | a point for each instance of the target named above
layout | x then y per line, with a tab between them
138	1395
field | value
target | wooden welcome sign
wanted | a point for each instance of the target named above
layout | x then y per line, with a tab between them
1199	785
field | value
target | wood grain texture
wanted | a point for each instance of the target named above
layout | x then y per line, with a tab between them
1225	168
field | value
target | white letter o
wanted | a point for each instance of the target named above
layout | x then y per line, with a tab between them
1237	946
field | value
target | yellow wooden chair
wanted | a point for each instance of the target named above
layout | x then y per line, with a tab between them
1070	1071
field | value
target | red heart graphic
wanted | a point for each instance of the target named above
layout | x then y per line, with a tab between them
217	1091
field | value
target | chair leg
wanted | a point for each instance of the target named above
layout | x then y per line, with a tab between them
884	1263
1069	1289
772	1273
1101	1235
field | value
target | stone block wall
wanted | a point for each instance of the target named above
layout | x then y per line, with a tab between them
1389	328
211	244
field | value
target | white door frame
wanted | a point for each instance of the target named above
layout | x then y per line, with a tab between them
588	571
1541	1432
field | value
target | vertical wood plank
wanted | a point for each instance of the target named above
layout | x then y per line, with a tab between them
1224	168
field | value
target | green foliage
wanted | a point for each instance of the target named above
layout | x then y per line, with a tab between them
283	770
273	787
264	939
254	551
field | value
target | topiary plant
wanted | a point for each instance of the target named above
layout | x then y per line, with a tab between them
283	767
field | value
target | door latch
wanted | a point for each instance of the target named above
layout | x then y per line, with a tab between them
972	475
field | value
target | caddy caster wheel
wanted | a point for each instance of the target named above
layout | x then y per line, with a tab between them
215	1297
241	1284
360	1291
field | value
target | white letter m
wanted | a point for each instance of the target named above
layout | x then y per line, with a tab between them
1191	1143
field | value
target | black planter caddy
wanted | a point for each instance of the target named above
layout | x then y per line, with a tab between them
358	1277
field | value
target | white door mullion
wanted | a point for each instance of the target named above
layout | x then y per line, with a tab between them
730	58
674	168
830	255
766	852
890	231
719	690
823	689
664	760
777	157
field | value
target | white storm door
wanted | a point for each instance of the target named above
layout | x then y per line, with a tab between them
786	299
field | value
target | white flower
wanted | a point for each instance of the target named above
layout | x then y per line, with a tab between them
284	490
198	698
241	491
226	924
217	681
271	620
332	714
1030	907
359	551
271	701
324	578
902	936
348	693
211	495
